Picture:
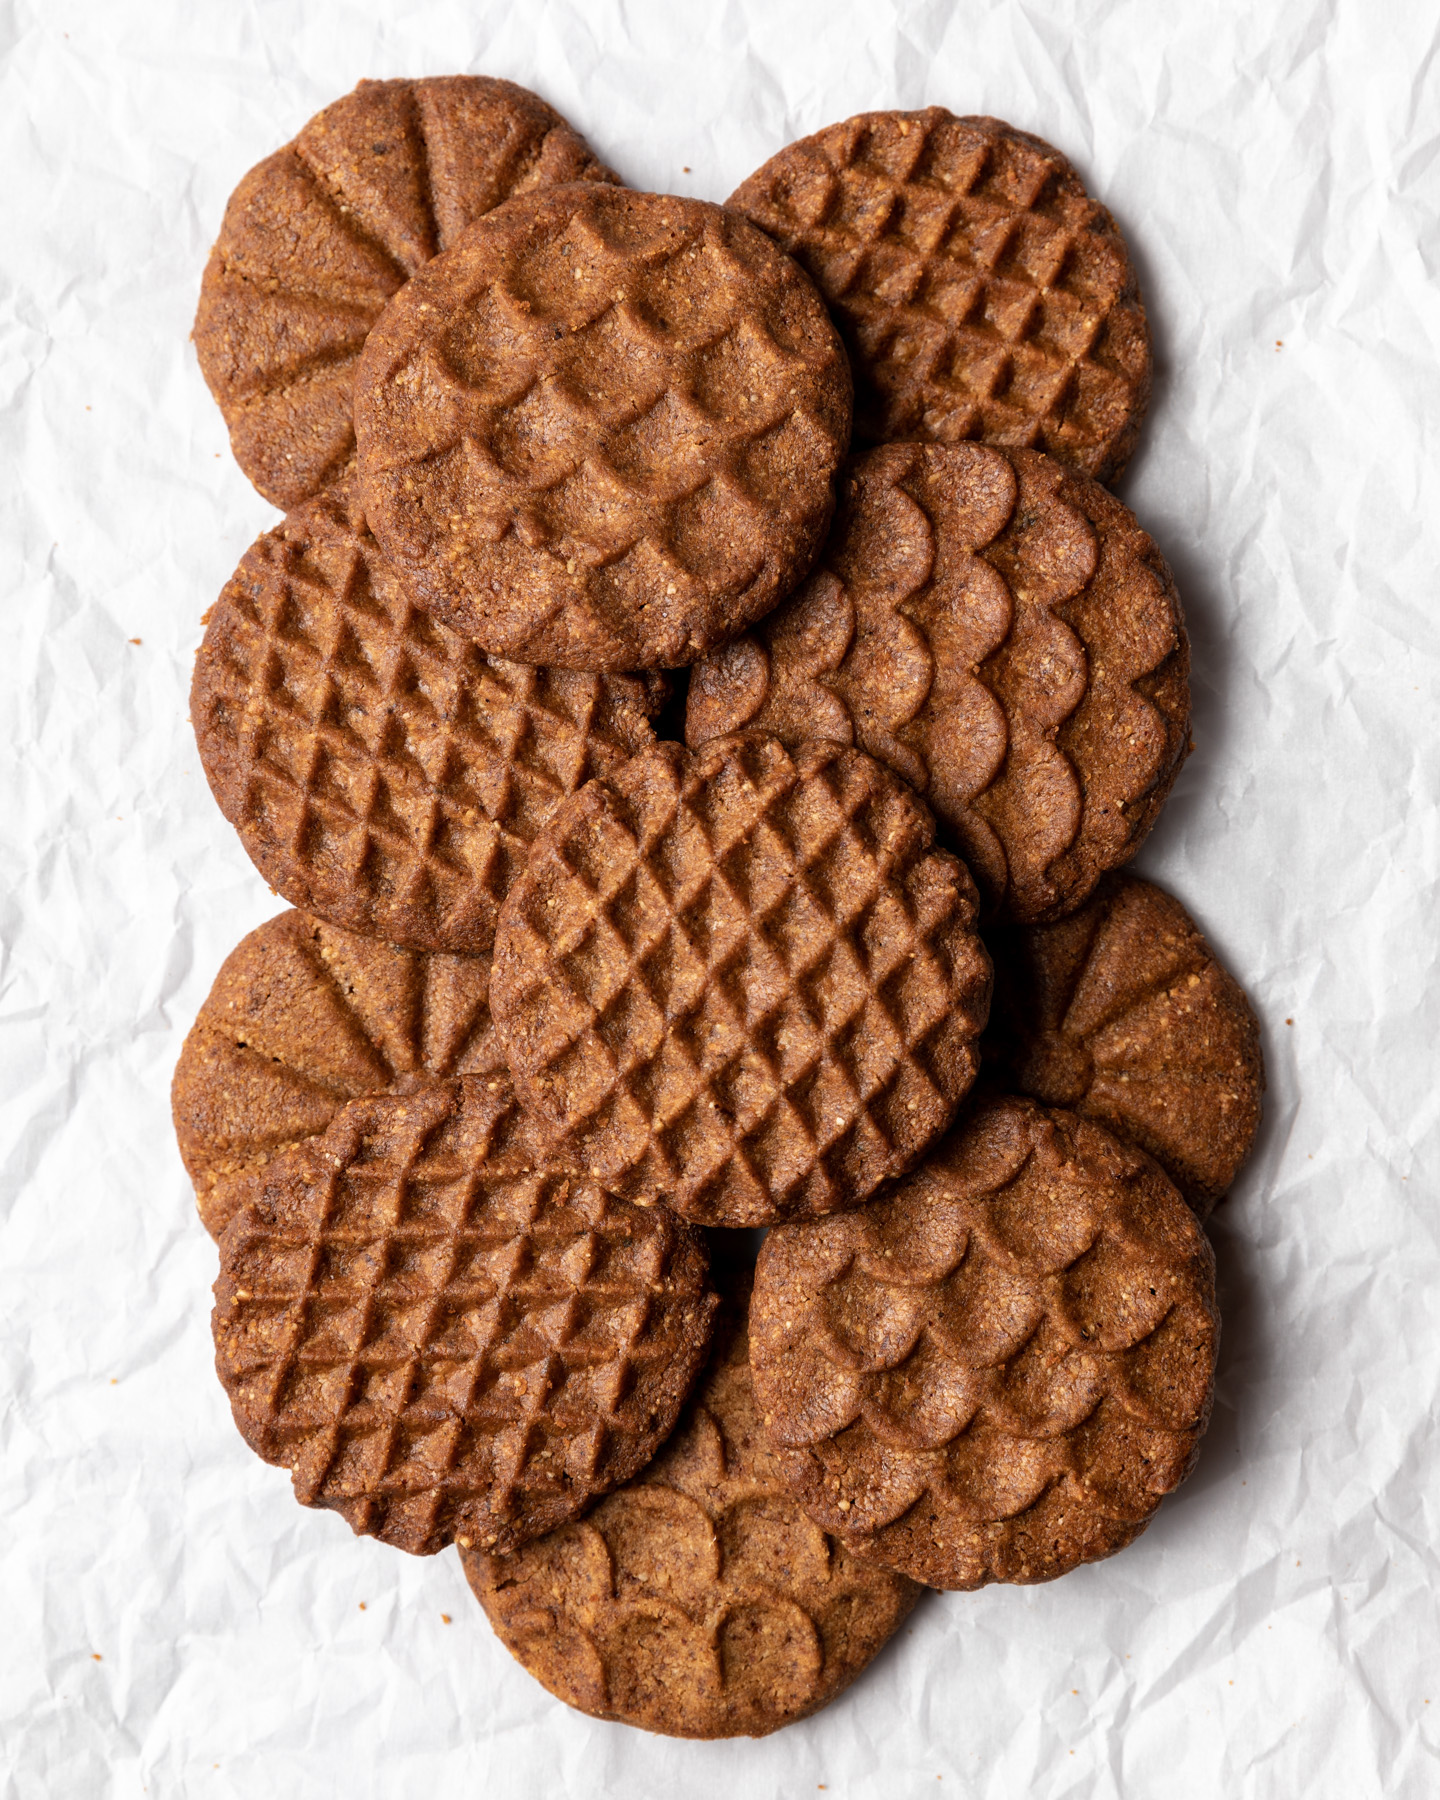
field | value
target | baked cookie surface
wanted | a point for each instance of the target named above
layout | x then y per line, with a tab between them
382	772
318	237
445	1341
981	292
302	1018
601	431
698	1600
1123	1013
741	980
1002	633
996	1372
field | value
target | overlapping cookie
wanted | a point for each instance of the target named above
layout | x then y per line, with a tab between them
601	431
1123	1013
741	980
463	1294
382	772
697	1600
996	1372
1003	634
982	293
303	1018
318	237
445	1340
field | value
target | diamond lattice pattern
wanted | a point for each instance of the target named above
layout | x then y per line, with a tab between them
754	986
439	1347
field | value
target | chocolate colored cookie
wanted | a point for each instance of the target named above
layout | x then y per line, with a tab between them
382	772
698	1600
1123	1013
443	1342
741	980
996	1372
318	237
601	431
1001	632
981	292
301	1019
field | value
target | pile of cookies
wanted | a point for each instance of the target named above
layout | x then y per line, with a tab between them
697	704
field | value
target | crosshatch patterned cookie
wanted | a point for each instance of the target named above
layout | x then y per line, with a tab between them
382	772
996	1372
981	292
1002	633
1123	1013
318	237
698	1600
601	431
304	1017
741	980
443	1344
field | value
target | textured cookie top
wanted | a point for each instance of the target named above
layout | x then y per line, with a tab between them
302	1018
741	980
443	1344
382	772
601	431
1123	1013
318	237
698	1600
996	1372
1001	632
981	292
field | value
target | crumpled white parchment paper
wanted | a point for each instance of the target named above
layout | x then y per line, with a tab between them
170	1622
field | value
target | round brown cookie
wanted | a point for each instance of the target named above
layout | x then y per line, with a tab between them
698	1600
302	1018
741	980
443	1341
317	238
1001	632
1123	1013
382	772
996	1372
981	292
602	431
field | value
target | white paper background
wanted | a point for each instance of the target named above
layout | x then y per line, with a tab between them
170	1622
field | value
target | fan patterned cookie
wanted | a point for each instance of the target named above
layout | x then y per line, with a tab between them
443	1344
981	292
301	1019
996	1372
382	772
741	980
602	431
698	1600
1002	633
1123	1014
318	237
